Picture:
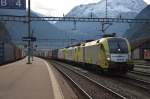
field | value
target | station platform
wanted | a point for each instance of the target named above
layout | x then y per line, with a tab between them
38	80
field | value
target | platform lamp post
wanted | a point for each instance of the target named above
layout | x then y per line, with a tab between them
29	34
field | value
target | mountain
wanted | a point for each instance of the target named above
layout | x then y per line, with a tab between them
116	9
139	30
4	35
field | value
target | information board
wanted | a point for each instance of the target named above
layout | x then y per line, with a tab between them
13	4
29	39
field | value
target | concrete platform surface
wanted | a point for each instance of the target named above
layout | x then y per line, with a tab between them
34	81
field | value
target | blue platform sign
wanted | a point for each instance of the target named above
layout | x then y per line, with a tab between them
13	4
29	39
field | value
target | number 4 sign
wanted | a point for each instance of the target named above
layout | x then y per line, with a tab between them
13	4
18	3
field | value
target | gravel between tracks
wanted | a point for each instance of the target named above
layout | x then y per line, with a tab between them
129	91
142	68
139	76
91	88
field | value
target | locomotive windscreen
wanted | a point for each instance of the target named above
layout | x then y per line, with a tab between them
117	45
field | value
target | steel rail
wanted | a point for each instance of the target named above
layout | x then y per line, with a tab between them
138	82
86	95
93	81
140	73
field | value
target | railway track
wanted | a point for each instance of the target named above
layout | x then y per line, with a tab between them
141	70
142	84
140	73
142	66
90	88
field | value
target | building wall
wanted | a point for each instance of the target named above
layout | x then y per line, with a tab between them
140	52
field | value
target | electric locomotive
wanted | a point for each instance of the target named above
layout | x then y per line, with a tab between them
109	54
116	55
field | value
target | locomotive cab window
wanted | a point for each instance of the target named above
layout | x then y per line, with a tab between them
117	45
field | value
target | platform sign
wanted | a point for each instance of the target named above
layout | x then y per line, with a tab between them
33	39
13	4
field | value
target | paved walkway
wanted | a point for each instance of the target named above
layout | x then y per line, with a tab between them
35	81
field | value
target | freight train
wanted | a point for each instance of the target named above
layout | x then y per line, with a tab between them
9	53
109	54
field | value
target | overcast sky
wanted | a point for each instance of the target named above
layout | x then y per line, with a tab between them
58	7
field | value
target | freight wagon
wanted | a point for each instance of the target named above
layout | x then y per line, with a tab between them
9	52
109	54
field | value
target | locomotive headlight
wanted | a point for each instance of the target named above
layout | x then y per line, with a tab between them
108	58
